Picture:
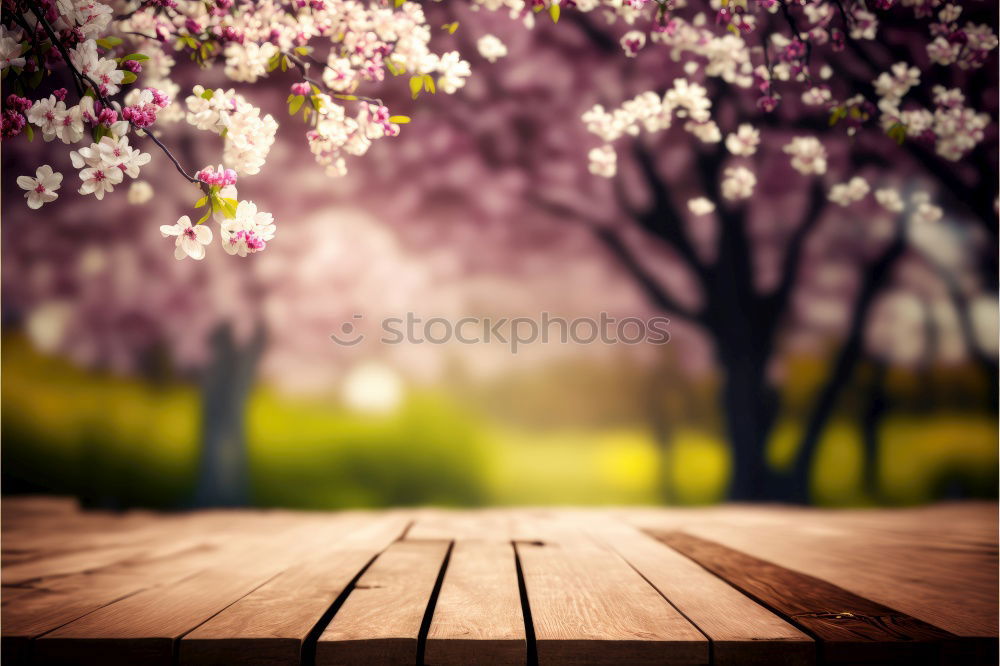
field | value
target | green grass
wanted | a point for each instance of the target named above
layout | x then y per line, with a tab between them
114	439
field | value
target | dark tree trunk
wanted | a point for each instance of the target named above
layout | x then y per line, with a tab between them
224	470
749	405
875	407
875	277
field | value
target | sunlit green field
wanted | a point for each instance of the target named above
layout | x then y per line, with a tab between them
118	441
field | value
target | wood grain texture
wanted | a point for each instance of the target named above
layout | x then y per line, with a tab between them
144	627
477	618
219	587
850	628
590	607
742	632
269	625
380	621
936	563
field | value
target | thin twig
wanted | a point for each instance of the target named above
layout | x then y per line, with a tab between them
81	77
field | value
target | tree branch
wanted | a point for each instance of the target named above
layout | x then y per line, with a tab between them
777	300
875	276
663	219
81	78
603	232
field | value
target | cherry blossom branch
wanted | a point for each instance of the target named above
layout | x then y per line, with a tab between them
81	77
304	66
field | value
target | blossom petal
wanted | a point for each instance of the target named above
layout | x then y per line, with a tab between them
203	234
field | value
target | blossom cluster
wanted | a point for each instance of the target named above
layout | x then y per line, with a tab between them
720	41
330	49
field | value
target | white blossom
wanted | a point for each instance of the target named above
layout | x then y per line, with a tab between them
491	48
632	42
744	140
808	155
248	232
100	180
248	61
701	206
889	199
139	192
453	71
10	50
603	161
847	193
42	188
738	183
191	240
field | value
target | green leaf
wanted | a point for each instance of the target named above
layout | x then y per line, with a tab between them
138	57
450	27
284	62
28	131
208	94
399	3
349	98
429	84
416	85
303	50
554	13
399	120
109	42
897	133
224	132
839	113
315	89
129	77
296	104
208	214
201	202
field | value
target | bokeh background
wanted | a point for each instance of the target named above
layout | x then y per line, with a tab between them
129	378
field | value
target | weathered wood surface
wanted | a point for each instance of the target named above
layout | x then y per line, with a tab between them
727	585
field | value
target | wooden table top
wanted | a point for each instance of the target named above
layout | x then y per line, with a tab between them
722	585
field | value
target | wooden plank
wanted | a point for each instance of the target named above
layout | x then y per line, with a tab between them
448	525
741	631
938	566
143	627
851	629
477	618
58	600
270	625
126	540
381	619
590	607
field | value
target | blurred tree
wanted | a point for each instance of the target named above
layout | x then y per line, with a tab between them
753	274
495	181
